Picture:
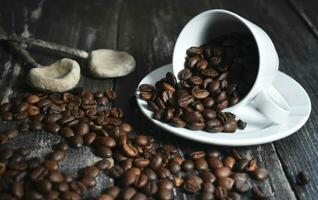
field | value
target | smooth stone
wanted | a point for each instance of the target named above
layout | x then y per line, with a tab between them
107	63
60	76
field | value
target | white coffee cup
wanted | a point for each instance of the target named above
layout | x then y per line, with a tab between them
212	23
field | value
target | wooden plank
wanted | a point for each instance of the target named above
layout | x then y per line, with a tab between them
307	11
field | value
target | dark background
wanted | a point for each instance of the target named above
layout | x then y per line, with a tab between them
148	30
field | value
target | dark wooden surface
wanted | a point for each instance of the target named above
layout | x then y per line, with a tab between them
148	30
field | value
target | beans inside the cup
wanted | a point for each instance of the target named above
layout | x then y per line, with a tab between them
216	76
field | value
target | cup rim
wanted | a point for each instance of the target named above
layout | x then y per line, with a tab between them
245	22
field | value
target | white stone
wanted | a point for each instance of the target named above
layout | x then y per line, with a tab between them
60	76
107	63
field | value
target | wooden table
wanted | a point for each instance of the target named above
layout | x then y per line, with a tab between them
148	30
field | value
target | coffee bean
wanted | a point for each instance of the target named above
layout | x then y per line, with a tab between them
260	174
129	150
32	194
36	125
151	188
76	141
188	165
103	152
82	129
202	64
222	172
43	186
51	165
53	127
163	172
165	194
241	186
184	74
220	192
33	110
128	193
103	164
192	184
57	155
226	182
241	124
38	173
229	162
194	51
89	138
208	187
67	132
7	116
116	171
185	100
146	88
106	141
55	176
241	164
301	179
207	176
177	122
251	166
191	62
5	107
230	125
207	196
209	72
113	191
201	164
6	153
258	194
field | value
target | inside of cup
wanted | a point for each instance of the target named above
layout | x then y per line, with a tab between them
212	25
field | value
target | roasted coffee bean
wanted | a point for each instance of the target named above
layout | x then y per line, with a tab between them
208	102
6	153
151	174
207	176
209	114
32	194
174	167
141	181
168	115
141	162
146	88
220	192
128	193
43	186
38	173
82	129
201	164
222	172
139	196
33	110
36	125
188	165
71	195
57	155
260	174
230	125
163	172
76	141
17	165
129	150
53	127
302	178
229	162
165	194
113	191
55	177
106	141
200	93
202	64
226	182
184	74
105	197
177	122
233	100
234	196
185	100
241	186
196	126
103	164
151	188
67	132
88	181
103	152
194	51
207	196
208	187
251	166
258	194
241	124
91	172
89	138
192	184
51	165
191	62
24	127
209	72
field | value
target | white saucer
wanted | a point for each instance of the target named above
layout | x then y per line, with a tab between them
259	129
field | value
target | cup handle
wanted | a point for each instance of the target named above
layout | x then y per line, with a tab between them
272	104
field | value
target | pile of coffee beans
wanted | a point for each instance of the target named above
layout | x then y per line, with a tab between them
209	83
140	169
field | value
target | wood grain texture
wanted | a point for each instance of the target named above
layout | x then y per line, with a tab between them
148	30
